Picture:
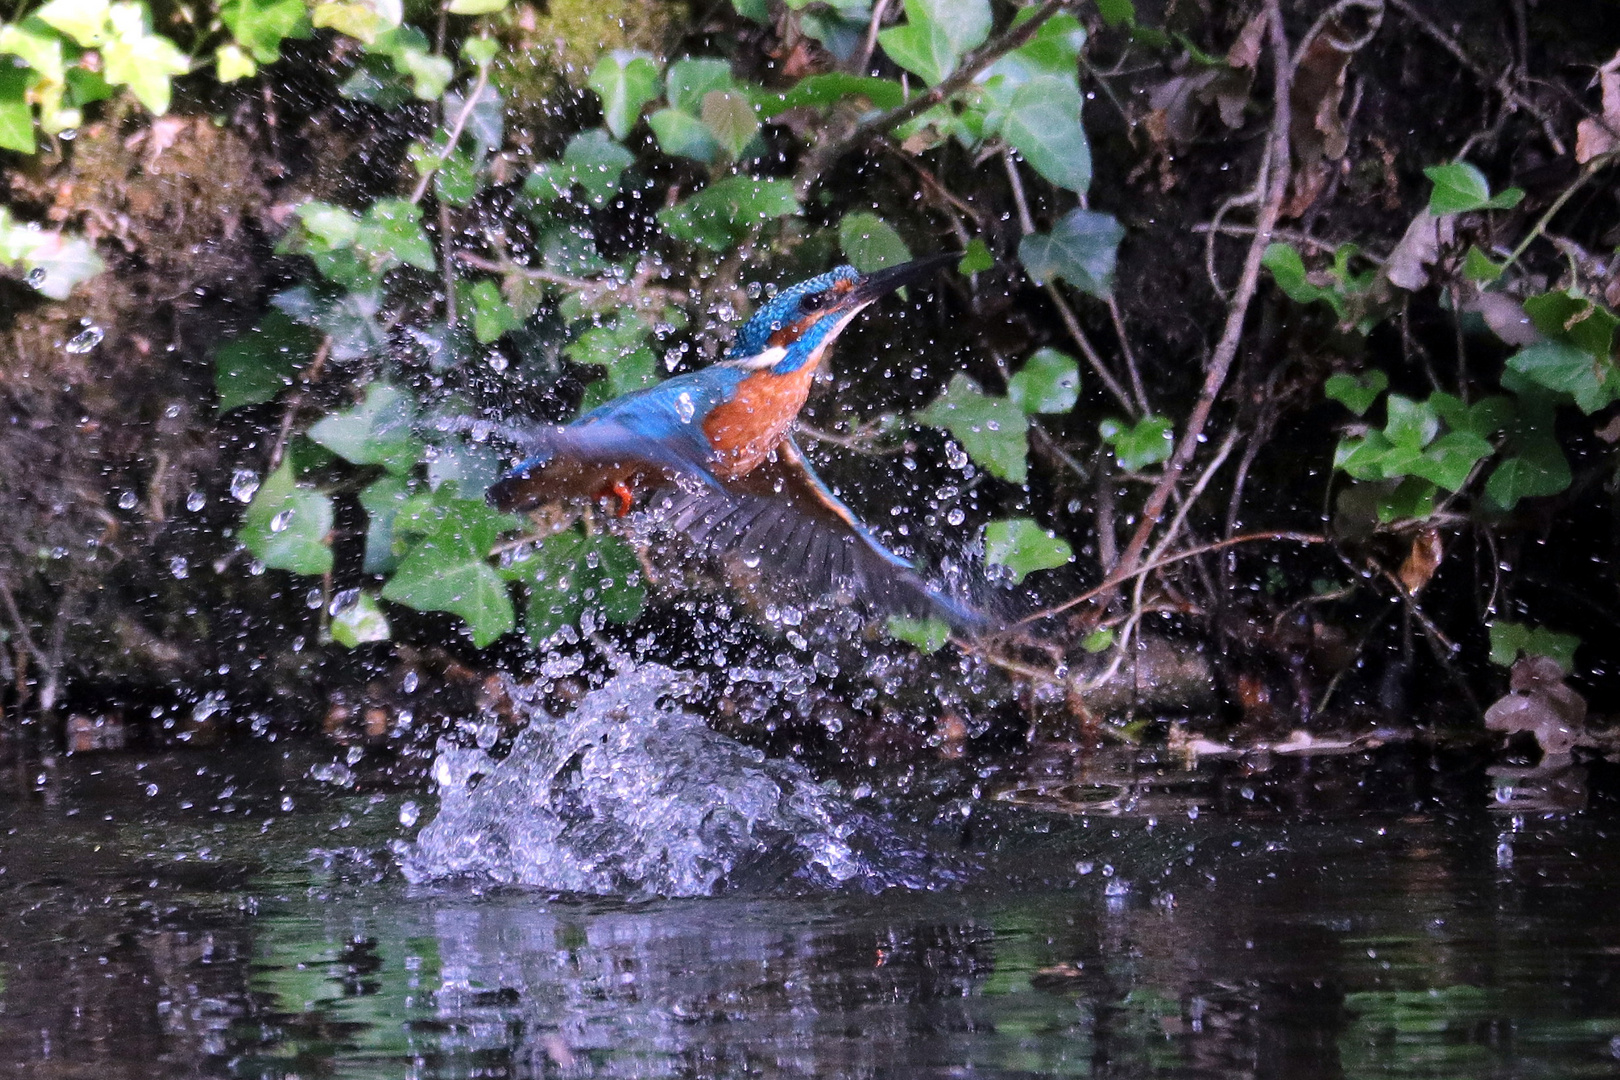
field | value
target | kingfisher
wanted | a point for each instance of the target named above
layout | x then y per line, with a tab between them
710	454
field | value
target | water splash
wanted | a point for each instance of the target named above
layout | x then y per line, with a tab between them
631	795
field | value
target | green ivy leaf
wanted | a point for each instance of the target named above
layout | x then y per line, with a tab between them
1117	12
694	78
85	21
1478	267
16	114
448	569
681	134
1098	640
1573	318
477	7
592	159
1460	188
287	525
360	622
1024	547
570	574
1485	417
258	365
1043	124
976	258
231	63
135	57
825	91
1081	249
1450	459
65	261
1356	393
728	210
1054	50
1537	469
260	26
928	635
1557	365
993	430
390	233
1048	383
382	500
730	116
375	432
492	316
1509	639
870	243
625	81
1147	442
922	48
1412	424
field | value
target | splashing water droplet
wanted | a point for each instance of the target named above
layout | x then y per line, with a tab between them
343	601
85	340
312	599
955	456
244	484
196	501
36	277
685	408
408	813
286	804
127	501
179	567
280	522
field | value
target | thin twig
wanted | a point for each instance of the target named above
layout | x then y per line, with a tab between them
1197	491
828	152
1130	357
1500	83
456	129
1564	196
1114	580
1276	178
309	375
863	65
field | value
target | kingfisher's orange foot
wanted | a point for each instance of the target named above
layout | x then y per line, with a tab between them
621	491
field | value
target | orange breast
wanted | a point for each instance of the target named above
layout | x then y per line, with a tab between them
744	430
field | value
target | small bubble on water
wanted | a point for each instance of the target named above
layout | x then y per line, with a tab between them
408	813
196	501
127	500
280	522
179	567
36	277
85	340
244	484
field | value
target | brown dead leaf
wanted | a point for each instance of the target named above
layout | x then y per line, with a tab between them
1505	316
1407	265
1600	135
1316	128
1610	432
1540	702
1422	561
1305	187
1245	51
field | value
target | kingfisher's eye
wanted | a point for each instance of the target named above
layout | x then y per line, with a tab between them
813	302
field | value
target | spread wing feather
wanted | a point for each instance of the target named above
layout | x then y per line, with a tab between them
783	519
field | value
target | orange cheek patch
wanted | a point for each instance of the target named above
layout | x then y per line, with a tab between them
792	332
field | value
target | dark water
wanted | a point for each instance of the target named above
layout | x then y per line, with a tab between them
1317	918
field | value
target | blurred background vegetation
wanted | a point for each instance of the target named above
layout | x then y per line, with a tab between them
1276	380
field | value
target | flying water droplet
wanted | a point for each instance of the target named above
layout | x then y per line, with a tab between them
408	813
955	456
343	601
312	599
127	500
36	277
179	567
85	340
196	501
244	484
280	522
685	408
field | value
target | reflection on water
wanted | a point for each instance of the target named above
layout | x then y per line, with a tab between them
1312	919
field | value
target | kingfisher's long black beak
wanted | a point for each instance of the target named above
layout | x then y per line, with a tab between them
885	281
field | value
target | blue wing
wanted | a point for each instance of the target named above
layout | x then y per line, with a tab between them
648	438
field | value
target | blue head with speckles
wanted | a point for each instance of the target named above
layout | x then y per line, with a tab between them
790	318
